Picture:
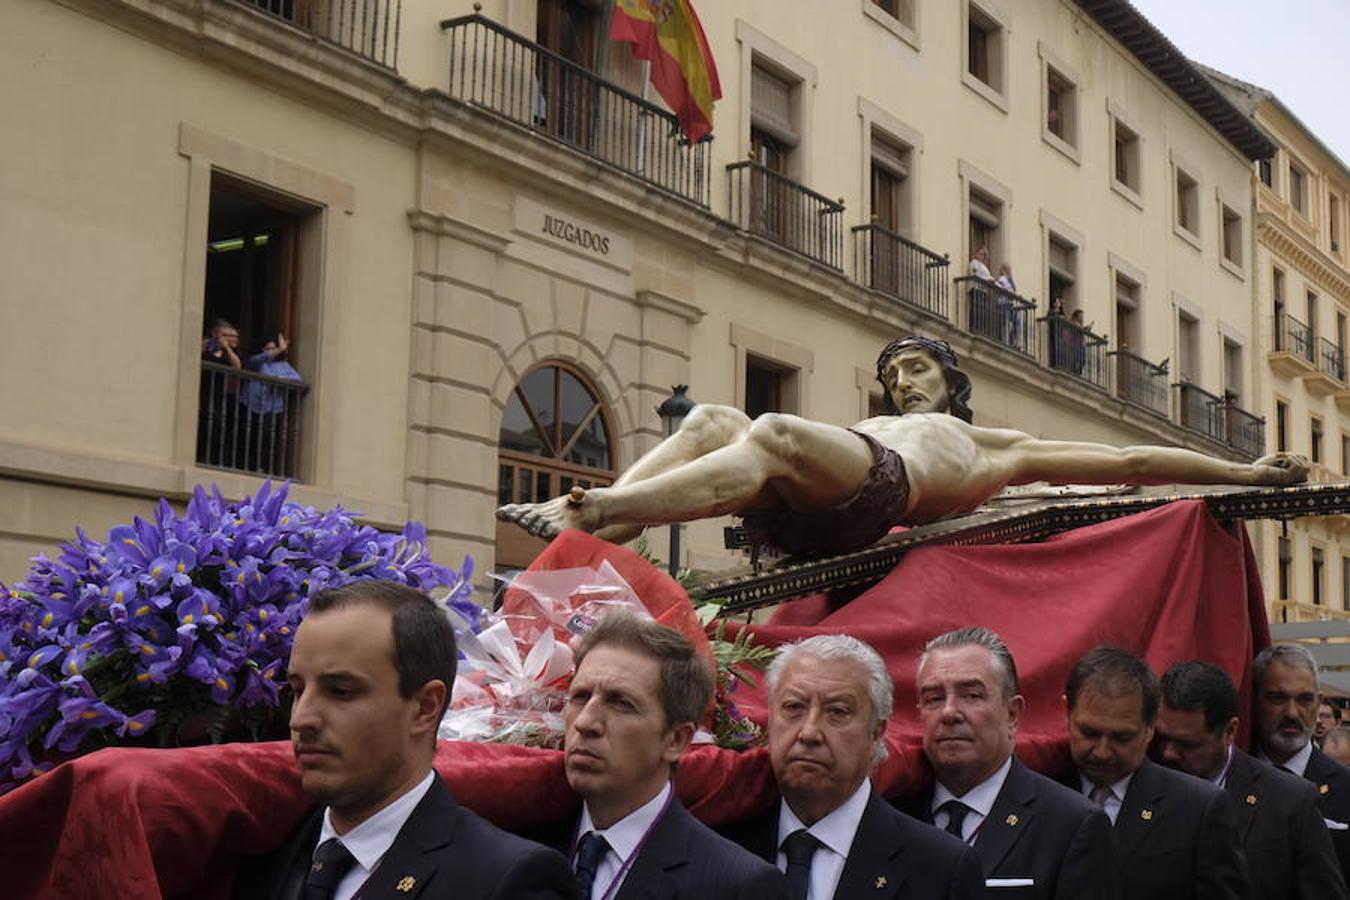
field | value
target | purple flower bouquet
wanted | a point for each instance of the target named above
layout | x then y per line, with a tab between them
183	620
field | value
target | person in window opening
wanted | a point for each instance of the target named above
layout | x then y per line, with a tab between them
981	313
1007	320
217	414
1078	341
268	412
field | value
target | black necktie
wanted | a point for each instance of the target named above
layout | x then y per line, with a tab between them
799	847
331	862
590	850
956	817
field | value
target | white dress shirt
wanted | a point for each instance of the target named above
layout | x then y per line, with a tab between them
1113	802
1221	778
980	799
623	838
1298	763
371	840
835	831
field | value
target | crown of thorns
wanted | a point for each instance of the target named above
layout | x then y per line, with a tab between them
939	350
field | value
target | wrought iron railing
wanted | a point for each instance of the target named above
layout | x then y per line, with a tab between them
999	315
249	422
897	266
1199	410
369	28
775	207
1331	359
1074	349
1243	431
496	69
1140	382
1298	339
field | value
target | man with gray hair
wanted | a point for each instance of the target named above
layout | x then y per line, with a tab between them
1027	830
829	699
1284	679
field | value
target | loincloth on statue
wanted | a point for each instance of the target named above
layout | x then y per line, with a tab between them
858	522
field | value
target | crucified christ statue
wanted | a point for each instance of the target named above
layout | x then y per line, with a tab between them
811	488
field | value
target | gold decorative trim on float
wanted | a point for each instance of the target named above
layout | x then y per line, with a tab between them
793	579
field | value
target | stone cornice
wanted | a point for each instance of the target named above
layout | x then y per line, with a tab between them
459	229
1311	262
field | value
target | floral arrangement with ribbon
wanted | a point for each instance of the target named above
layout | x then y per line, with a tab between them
181	619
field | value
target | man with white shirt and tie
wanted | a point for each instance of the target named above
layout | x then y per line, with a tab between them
1288	849
370	672
1035	838
638	694
830	697
1284	679
1174	834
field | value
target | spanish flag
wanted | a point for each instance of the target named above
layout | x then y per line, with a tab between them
667	34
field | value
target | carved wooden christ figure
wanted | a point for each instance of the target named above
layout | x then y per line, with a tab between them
811	488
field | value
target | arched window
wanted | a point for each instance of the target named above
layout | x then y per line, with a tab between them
555	434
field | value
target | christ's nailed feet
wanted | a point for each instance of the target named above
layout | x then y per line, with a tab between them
547	519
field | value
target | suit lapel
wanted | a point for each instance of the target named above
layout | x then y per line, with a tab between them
409	865
667	849
873	866
1244	787
1143	800
1008	819
1322	772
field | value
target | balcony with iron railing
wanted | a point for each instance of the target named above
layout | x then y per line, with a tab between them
900	268
989	311
368	28
496	70
1076	350
1330	374
1140	382
778	209
1243	431
1201	411
249	422
1293	354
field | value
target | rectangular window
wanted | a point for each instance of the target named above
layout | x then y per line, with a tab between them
1188	202
1315	439
984	46
773	117
1311	310
1281	426
1265	170
1232	371
1188	347
1277	294
1231	224
1298	190
986	218
892	195
1345	456
900	10
1126	169
1334	222
1127	313
1318	573
1061	105
1062	269
1286	559
250	402
769	387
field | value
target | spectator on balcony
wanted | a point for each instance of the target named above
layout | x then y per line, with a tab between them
1328	717
981	309
1077	340
1008	326
268	411
218	399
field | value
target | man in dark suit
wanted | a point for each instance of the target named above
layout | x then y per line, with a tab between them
1288	849
1284	679
1175	834
829	699
639	691
1035	838
370	671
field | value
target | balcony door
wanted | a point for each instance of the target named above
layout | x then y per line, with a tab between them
568	90
555	435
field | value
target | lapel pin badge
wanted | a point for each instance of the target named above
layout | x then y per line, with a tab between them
1323	789
406	884
881	882
1251	799
1012	819
1146	815
317	867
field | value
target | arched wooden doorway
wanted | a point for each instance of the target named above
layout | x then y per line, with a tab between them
555	433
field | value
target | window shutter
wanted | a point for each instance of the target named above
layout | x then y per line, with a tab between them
771	105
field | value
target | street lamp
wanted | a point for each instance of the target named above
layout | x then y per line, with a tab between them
673	411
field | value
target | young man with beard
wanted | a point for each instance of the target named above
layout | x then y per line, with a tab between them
1284	678
370	670
1288	849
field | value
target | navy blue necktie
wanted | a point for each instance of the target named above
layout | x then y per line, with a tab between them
799	848
590	850
331	863
956	817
